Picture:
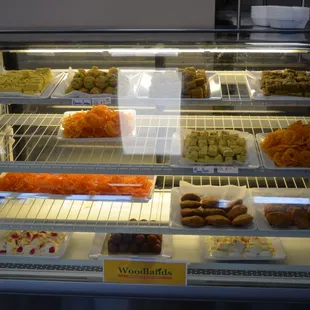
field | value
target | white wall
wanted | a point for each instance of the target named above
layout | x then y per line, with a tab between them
107	14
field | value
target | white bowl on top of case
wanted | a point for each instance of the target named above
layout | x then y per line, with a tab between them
259	15
300	13
287	17
280	12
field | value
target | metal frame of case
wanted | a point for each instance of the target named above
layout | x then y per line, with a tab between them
235	111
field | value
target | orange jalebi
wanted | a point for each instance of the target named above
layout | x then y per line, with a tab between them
98	122
75	184
289	147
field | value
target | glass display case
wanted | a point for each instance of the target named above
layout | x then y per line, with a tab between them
203	118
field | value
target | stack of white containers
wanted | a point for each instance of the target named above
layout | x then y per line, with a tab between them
280	16
259	15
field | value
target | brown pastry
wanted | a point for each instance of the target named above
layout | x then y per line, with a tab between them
190	196
213	211
189	204
193	221
233	203
237	210
308	208
191	212
217	220
279	219
242	220
210	202
273	208
300	218
290	210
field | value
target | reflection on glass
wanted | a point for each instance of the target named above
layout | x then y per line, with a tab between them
281	200
160	89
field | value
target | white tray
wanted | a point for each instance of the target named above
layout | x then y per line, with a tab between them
278	255
46	93
99	249
269	163
213	78
278	196
253	79
60	92
60	135
226	194
60	253
177	149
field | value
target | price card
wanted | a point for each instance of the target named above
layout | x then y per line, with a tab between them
228	170
204	170
103	100
81	101
145	271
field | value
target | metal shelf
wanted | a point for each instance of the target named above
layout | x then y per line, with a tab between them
234	88
108	216
37	149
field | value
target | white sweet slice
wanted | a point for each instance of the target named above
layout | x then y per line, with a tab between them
234	254
218	253
237	246
266	254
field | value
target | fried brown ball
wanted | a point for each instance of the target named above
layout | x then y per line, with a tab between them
78	75
127	238
213	211
144	248
84	90
193	221
242	220
156	249
82	72
140	239
279	219
300	218
134	248
233	203
123	248
116	238
210	202
102	73
159	237
77	83
133	220
237	210
217	220
113	70
94	72
151	239
143	220
112	80
69	90
190	212
273	208
89	82
113	248
189	204
191	197
95	91
108	90
101	81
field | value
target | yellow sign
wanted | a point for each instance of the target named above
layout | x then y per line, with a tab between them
145	272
